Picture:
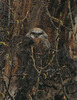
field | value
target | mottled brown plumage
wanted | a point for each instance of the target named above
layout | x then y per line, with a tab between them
41	43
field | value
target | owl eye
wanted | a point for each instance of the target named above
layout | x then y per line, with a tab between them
37	33
33	33
41	33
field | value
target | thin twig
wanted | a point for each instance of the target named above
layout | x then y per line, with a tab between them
70	13
51	17
34	60
7	91
48	13
9	4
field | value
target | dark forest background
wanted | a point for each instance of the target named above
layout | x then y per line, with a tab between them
20	78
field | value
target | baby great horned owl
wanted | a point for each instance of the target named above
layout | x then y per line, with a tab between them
40	38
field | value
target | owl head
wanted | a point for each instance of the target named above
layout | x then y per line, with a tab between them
39	35
36	33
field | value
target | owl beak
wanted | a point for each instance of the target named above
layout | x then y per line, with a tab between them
36	36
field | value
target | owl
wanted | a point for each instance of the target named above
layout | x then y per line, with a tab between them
41	44
40	38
